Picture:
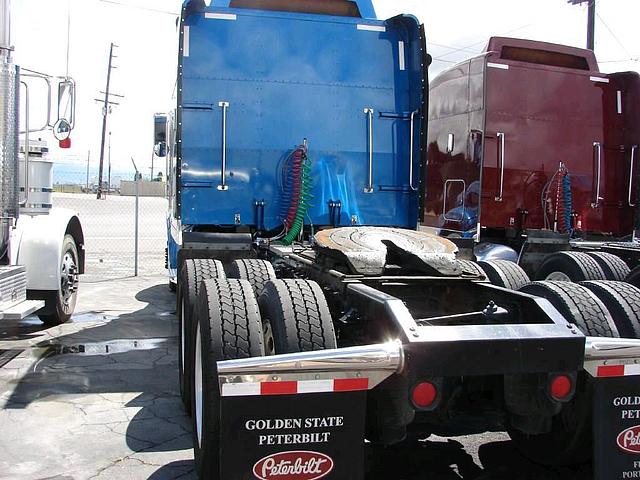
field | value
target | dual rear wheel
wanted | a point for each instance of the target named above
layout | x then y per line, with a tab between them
228	320
599	308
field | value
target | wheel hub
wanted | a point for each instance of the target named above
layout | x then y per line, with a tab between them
68	280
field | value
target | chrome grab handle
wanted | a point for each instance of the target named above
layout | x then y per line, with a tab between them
26	146
633	159
369	187
411	125
598	147
48	82
500	136
223	168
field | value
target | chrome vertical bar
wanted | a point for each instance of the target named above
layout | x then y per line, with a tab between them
369	187
411	127
500	136
633	159
598	148
223	170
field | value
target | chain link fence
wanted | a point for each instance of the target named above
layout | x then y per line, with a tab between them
109	225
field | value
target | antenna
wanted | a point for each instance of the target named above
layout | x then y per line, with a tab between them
68	33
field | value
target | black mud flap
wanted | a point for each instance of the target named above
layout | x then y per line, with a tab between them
616	422
303	436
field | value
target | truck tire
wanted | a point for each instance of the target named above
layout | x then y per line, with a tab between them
613	267
577	304
227	327
570	267
569	441
634	277
296	314
257	272
471	267
60	304
503	273
193	272
623	302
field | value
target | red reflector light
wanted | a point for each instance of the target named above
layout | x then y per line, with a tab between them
561	387
66	143
424	394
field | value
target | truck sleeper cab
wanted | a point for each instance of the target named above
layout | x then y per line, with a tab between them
515	113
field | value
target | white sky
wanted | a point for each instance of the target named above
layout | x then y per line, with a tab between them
456	29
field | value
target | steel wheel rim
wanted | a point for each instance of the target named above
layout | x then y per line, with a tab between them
269	342
558	277
182	335
197	373
68	280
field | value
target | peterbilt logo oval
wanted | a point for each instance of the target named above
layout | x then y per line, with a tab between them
629	439
295	465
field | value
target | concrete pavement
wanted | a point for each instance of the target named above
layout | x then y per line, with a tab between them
97	398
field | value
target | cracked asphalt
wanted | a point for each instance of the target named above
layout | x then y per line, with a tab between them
97	398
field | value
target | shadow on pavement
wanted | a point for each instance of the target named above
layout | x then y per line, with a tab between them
449	460
181	469
132	353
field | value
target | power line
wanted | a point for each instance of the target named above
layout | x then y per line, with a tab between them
613	35
461	49
620	61
450	47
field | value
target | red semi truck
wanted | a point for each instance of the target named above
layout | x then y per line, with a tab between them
531	147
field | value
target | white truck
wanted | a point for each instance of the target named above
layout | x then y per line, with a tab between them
41	248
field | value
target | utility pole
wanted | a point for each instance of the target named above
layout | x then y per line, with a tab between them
591	25
105	113
106	109
591	21
152	157
109	177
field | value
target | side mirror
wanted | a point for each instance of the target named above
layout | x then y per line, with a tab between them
67	101
160	134
61	129
160	149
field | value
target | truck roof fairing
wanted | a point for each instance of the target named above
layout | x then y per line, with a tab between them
348	8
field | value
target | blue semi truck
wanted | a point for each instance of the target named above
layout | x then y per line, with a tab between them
313	312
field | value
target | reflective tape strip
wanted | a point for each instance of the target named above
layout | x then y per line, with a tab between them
599	79
350	384
240	389
185	42
372	28
619	101
278	388
501	66
401	60
221	16
315	386
618	370
294	387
